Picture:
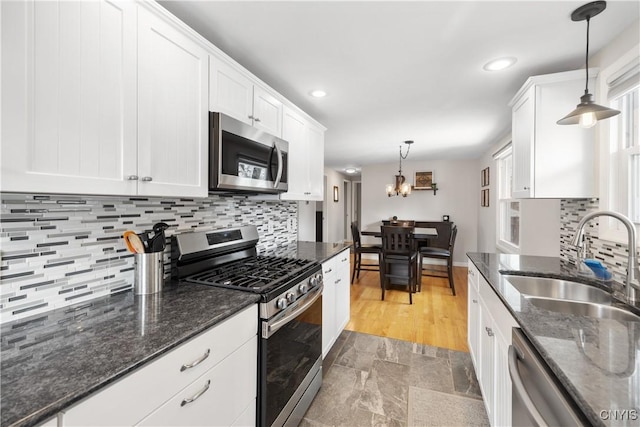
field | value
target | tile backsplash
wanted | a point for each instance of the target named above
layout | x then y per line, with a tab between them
612	255
60	250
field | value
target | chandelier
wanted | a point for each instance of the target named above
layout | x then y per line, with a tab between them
401	187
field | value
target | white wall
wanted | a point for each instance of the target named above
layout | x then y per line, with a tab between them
458	196
307	221
335	210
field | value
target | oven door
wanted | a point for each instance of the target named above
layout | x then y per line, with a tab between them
290	371
244	158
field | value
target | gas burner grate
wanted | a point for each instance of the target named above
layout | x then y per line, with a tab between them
256	274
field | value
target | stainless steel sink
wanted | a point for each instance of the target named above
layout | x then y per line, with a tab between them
599	311
558	289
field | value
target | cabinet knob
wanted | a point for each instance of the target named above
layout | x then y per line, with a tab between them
132	177
489	331
147	179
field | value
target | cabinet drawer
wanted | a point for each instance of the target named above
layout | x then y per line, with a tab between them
472	275
139	393
219	396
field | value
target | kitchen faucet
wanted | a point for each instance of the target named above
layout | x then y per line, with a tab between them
633	271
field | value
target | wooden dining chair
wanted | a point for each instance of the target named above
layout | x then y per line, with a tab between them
399	258
359	249
440	248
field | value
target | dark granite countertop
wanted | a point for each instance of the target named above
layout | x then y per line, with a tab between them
53	360
597	360
320	252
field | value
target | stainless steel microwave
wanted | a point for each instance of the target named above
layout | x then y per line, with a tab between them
245	159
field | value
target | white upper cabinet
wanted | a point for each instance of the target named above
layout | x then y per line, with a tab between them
69	96
173	78
306	157
551	160
233	93
101	97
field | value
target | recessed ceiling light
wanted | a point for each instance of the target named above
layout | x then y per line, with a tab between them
499	64
350	170
318	93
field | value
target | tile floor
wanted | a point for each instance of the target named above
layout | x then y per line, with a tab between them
376	381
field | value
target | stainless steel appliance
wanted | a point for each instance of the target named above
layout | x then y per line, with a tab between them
245	159
538	398
290	289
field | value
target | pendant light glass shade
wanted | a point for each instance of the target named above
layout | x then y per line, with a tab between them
587	113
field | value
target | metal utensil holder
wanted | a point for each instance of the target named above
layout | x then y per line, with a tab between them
149	273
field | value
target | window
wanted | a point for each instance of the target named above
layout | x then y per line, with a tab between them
620	137
508	230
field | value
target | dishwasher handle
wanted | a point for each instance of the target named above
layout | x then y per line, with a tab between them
520	390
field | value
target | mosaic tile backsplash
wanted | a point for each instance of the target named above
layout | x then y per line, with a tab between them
612	255
60	250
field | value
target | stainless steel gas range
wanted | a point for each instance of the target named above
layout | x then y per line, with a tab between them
290	349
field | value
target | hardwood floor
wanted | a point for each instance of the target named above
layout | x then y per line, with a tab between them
435	318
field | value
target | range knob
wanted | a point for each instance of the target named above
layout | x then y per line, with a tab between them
319	278
291	297
281	303
313	281
303	288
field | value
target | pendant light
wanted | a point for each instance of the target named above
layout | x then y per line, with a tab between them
587	113
401	187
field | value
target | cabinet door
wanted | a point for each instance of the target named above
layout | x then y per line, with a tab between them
172	110
267	112
328	306
316	163
231	92
523	140
502	381
294	131
473	322
486	341
343	291
69	96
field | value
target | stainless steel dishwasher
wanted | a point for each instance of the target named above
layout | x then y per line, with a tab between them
538	398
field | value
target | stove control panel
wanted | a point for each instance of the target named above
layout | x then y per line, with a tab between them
290	296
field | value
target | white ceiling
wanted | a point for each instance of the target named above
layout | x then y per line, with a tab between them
396	70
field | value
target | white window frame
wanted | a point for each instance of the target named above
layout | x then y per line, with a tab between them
504	245
611	229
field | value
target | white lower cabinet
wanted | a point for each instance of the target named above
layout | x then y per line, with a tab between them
336	298
221	394
217	370
489	335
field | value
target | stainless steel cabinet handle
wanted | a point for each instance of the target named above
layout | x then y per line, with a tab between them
197	395
475	301
338	281
526	188
344	260
489	331
196	362
520	390
471	273
251	117
147	178
329	270
256	119
132	177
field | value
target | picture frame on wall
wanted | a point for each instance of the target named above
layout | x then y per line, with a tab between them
423	181
484	177
335	193
484	198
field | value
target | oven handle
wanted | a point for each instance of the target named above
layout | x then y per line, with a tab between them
270	329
